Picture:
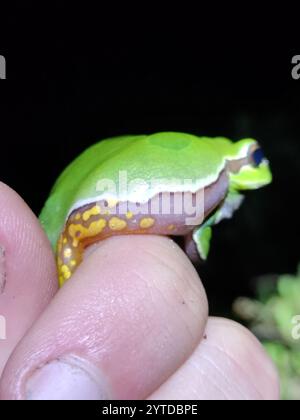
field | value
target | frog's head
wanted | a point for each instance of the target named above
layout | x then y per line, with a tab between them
248	168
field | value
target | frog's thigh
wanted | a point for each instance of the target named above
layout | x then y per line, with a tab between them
79	230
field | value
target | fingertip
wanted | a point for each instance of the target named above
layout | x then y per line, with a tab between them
241	345
228	364
134	309
27	269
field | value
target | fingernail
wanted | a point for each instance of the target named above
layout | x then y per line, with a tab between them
68	378
2	269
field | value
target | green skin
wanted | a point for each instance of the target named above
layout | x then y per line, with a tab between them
166	155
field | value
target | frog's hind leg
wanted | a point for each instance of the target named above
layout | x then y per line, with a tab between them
197	242
202	234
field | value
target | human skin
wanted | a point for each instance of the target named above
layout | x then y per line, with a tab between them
131	323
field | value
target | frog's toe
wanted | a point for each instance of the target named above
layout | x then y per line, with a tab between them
201	238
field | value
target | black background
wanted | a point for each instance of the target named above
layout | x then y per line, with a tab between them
74	80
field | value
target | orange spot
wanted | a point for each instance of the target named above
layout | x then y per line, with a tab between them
146	222
94	211
117	224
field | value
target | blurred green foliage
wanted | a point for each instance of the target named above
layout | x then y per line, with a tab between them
274	317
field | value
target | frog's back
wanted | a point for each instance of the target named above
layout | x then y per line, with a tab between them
56	208
161	155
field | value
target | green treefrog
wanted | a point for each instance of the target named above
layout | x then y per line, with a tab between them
133	184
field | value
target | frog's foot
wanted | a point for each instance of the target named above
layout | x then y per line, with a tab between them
197	244
201	238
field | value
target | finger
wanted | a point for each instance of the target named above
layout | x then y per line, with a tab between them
27	270
230	364
130	316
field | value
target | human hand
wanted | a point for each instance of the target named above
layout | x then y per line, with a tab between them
132	323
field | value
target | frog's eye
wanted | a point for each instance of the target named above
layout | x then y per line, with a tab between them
257	157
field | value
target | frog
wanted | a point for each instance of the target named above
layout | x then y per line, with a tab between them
113	186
